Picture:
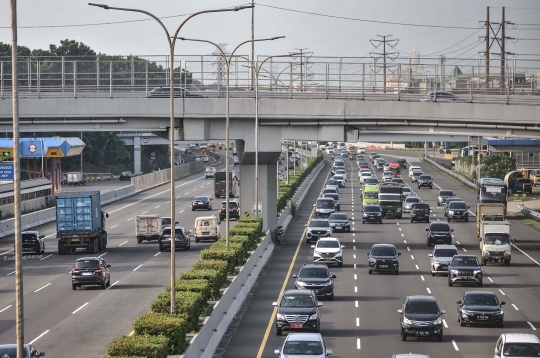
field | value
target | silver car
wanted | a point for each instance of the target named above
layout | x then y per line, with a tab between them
441	258
406	191
442	96
409	201
387	176
299	345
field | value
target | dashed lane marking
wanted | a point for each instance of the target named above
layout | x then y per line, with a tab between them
103	254
9	274
428	290
355	289
108	288
490	280
502	292
123	243
41	288
144	213
129	219
444	322
532	326
418	268
157	254
408	248
136	268
3	309
515	307
80	308
358	346
357	322
455	345
45	257
422	277
112	227
412	257
355	304
38	337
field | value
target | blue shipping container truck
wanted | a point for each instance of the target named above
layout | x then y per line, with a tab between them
80	222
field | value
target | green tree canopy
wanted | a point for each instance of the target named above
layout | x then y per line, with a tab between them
497	165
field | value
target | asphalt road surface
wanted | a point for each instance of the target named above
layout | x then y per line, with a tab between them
103	186
363	320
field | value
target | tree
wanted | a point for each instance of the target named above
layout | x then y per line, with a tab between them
497	165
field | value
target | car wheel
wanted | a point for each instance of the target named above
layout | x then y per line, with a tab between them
139	241
307	241
278	332
104	284
412	220
73	287
439	338
380	222
318	328
363	222
448	218
160	248
331	298
109	282
429	243
432	188
450	282
461	323
403	336
192	209
43	251
196	240
506	262
466	218
432	273
480	284
396	272
340	264
370	272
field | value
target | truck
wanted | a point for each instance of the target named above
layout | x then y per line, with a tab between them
391	200
75	178
80	222
220	184
495	242
489	212
534	175
148	227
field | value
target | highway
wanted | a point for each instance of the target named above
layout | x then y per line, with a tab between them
66	323
363	320
103	186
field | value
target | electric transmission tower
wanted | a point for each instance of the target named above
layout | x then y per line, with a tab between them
304	58
220	63
384	54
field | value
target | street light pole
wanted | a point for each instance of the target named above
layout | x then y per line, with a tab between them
171	40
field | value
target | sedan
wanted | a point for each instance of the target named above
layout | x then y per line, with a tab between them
387	176
201	202
383	258
406	191
443	195
442	96
415	175
398	181
339	222
409	201
364	176
372	213
303	344
480	307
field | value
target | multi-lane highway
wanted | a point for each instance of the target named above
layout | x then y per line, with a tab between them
363	320
67	323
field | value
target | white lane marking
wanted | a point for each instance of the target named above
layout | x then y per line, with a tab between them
428	290
438	219
473	214
524	253
399	228
355	289
103	254
112	285
45	257
354	247
515	307
3	253
354	265
157	254
357	322
408	248
156	207
353	234
355	304
167	202
80	308
122	243
136	268
412	257
533	327
418	268
354	256
9	274
353	240
464	249
489	278
405	241
3	309
38	337
182	211
130	219
144	212
444	322
397	223
403	236
187	193
422	277
194	190
455	345
112	227
355	277
358	343
502	292
457	242
41	288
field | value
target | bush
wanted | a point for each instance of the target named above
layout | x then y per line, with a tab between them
217	265
158	324
187	303
226	255
252	231
139	346
240	253
216	279
251	220
201	286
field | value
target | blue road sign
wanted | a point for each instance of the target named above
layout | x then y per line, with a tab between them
6	171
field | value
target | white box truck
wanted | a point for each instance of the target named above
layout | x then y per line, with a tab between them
148	227
75	178
495	242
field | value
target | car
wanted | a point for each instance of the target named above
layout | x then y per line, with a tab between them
10	350
421	317
360	150
439	232
409	201
236	162
406	191
449	200
420	212
33	241
443	195
337	165
340	179
387	176
339	221
457	210
328	251
206	228
165	92
371	181
386	167
303	344
316	277
442	96
480	307
196	158
63	179
344	153
372	213
364	176
399	181
324	207
201	202
298	310
337	205
413	168
383	258
379	166
181	238
330	189
125	176
441	258
402	163
445	150
234	210
342	172
425	181
209	172
90	271
511	345
415	175
317	228
465	269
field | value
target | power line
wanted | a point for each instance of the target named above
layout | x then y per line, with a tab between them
456	44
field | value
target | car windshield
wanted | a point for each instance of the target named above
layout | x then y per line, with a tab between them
338	177
314	273
335	197
366	174
420	207
86	264
325	204
497	239
416	174
439	227
481	300
521	350
338	217
200	198
446	193
412	200
371	181
232	204
167	232
297	301
319	223
372	209
332	182
397	180
422	307
302	348
371	195
165	221
425	177
465	261
328	244
457	205
406	189
340	171
388	174
445	253
339	164
29	237
383	251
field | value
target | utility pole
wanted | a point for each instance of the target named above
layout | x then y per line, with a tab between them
253	47
392	43
302	53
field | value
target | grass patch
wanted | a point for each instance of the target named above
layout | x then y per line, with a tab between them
527	220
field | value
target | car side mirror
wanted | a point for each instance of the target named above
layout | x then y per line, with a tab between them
320	304
430	255
452	230
295	276
342	246
108	266
459	303
328	352
276	351
503	303
312	246
107	216
367	253
313	205
400	311
443	311
176	223
274	304
427	229
333	276
41	236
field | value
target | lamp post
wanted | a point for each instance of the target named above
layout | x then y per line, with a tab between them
171	40
228	60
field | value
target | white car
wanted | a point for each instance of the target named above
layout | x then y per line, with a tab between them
360	171
329	150
412	169
364	176
360	150
205	158
236	161
328	250
340	179
342	172
409	201
209	172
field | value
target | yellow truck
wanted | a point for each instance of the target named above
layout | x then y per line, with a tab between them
489	212
370	194
534	175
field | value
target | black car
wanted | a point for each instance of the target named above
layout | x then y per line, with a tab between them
334	196
32	241
425	181
449	200
10	350
457	210
181	239
439	233
372	214
480	307
234	210
298	310
165	92
445	150
444	194
402	163
421	317
90	271
383	258
465	269
420	212
339	222
201	202
316	277
126	176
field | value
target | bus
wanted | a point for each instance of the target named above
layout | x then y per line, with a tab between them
370	194
394	168
491	190
220	187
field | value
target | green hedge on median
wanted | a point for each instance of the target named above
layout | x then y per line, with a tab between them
216	280
252	231
196	285
218	265
226	255
174	327
139	346
187	303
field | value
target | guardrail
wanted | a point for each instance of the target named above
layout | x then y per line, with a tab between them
533	214
450	172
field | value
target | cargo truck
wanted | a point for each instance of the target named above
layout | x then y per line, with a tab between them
75	178
489	212
391	200
80	222
148	227
495	242
220	187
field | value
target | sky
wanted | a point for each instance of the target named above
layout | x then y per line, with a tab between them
325	36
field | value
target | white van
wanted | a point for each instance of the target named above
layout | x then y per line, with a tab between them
412	168
206	228
329	150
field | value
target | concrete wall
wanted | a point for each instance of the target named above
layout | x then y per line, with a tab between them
28	206
151	180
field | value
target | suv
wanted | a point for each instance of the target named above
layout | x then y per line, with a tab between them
181	239
304	344
402	163
90	271
408	203
339	222
318	228
334	196
441	258
316	277
125	176
415	175
210	172
33	241
298	309
443	195
457	210
383	258
10	350
372	213
511	345
201	202
421	317
328	251
234	210
324	207
420	212
425	180
449	200
334	184
439	232
465	269
480	307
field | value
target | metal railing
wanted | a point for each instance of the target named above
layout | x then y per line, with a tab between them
533	214
319	77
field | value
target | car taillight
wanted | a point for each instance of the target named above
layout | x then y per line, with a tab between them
74	271
207	202
222	209
98	271
193	203
235	208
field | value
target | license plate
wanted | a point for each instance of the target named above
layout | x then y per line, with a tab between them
483	318
87	274
338	227
75	240
383	266
200	203
297	325
206	233
422	333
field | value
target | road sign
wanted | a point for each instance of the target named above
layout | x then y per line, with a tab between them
6	171
32	148
145	140
255	208
6	154
153	154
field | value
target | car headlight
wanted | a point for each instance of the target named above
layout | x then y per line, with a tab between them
451	212
372	261
438	320
454	272
332	224
467	313
477	272
500	313
507	253
300	283
327	283
338	254
280	317
406	320
313	316
316	253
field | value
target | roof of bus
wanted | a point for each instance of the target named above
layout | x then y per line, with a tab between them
490	181
372	187
393	165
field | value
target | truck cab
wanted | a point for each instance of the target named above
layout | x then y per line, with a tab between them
495	242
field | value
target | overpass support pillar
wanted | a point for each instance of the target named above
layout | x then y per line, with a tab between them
137	154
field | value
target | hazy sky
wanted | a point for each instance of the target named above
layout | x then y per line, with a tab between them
323	35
